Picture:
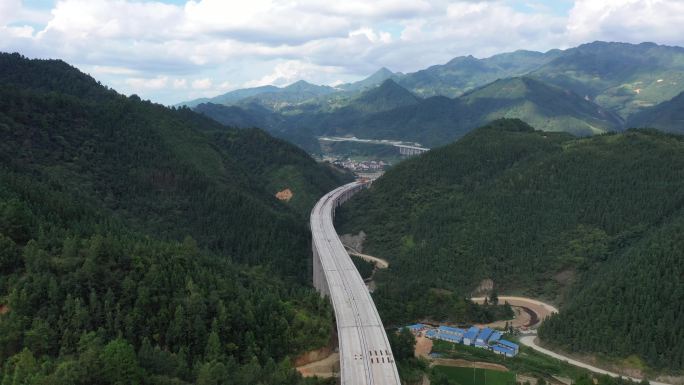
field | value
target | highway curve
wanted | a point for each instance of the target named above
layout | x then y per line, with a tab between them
365	353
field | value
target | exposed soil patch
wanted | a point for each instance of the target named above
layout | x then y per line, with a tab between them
325	368
313	356
484	288
533	316
4	309
355	242
423	346
284	195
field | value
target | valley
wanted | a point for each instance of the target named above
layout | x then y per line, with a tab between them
202	192
576	90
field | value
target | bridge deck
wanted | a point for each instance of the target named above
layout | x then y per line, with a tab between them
365	353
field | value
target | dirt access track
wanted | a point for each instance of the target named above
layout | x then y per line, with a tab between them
460	363
540	309
379	262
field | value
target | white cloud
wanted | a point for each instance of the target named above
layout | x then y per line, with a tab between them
378	9
142	84
627	20
112	70
201	84
170	52
292	70
9	10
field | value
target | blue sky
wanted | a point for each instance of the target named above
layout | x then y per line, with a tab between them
174	50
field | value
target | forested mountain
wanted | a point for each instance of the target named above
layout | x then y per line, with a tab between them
274	98
667	116
251	116
620	77
142	244
390	111
387	96
378	77
465	73
233	96
438	120
591	223
294	94
589	89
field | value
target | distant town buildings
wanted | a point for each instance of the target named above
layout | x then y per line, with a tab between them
361	166
482	338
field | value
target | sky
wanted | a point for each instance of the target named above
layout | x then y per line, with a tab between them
170	51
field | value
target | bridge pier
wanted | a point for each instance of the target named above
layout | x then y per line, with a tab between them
319	281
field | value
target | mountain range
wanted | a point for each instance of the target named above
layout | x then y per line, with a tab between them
593	88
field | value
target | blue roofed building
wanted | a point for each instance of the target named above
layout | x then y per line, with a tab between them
450	337
470	335
494	337
508	345
484	335
486	338
450	330
416	328
498	349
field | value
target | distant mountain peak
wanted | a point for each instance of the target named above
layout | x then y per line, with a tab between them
299	84
384	71
386	96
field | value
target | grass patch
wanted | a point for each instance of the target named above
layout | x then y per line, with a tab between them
476	376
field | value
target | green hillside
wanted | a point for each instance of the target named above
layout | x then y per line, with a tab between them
593	88
621	77
465	73
541	213
666	116
438	120
387	96
144	244
271	97
541	105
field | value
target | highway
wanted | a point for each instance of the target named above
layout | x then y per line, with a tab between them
365	353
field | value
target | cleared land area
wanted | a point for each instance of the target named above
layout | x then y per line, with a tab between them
530	312
423	346
325	368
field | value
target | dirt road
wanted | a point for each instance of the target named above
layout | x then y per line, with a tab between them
530	341
379	262
523	317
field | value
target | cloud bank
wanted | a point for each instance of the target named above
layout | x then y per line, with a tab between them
170	51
